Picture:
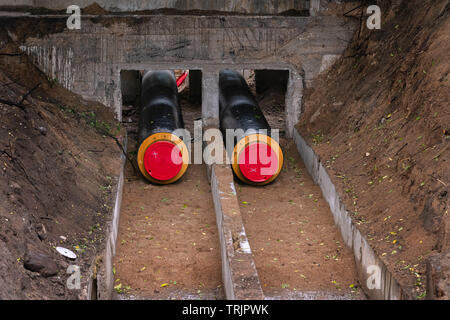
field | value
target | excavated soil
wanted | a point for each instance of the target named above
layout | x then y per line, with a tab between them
379	121
56	176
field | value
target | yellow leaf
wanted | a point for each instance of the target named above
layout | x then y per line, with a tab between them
164	285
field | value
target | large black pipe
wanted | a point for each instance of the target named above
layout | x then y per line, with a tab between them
238	107
162	156
256	157
160	104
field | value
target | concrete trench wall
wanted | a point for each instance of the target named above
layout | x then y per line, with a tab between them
102	275
377	282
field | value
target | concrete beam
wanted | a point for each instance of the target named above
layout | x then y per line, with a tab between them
314	7
210	98
294	101
239	275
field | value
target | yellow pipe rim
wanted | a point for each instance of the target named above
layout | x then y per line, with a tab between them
243	143
163	136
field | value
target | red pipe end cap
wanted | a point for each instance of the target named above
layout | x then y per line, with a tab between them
258	162
163	160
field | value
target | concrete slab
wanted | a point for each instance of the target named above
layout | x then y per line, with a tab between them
240	278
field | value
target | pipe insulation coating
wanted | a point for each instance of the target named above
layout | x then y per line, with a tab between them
162	156
257	159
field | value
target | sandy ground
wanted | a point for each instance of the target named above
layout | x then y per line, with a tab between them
294	240
168	245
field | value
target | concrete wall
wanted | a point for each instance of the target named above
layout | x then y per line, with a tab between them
89	61
16	2
243	6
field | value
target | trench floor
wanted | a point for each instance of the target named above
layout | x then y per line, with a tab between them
168	243
298	250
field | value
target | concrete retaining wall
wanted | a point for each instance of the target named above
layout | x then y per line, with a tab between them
377	281
89	61
103	275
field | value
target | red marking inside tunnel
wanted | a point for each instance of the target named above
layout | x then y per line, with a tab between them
181	79
163	160
258	162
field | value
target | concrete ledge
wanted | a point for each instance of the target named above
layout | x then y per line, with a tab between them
372	271
239	275
103	276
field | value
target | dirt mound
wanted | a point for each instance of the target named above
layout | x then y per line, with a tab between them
379	121
94	9
56	175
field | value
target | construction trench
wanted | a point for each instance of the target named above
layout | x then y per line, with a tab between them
170	249
207	233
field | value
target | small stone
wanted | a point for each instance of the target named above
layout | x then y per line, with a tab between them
43	130
40	262
41	232
15	186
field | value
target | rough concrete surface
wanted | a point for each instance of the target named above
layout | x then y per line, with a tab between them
89	61
239	275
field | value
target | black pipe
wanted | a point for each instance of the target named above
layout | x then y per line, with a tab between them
160	104
237	105
162	156
256	158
